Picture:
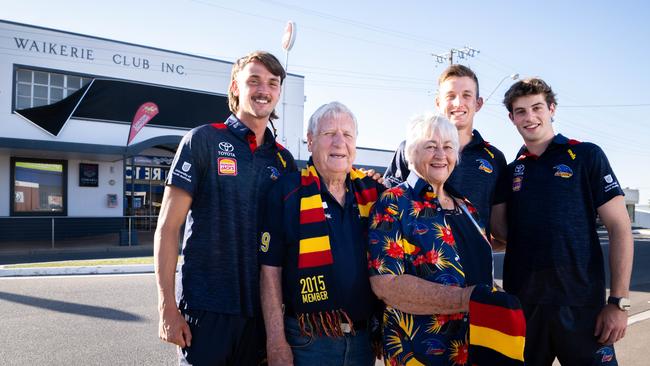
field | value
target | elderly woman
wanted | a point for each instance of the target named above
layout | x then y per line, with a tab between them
315	292
426	253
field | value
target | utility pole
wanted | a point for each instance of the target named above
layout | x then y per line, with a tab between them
460	54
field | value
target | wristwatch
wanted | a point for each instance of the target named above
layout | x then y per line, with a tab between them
623	303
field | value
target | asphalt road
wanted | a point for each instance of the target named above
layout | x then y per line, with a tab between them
112	320
81	320
640	281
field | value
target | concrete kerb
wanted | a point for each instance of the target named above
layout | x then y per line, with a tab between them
117	250
641	232
78	270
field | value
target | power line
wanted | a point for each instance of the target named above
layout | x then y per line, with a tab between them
368	76
592	105
337	34
607	105
615	143
459	53
358	24
454	53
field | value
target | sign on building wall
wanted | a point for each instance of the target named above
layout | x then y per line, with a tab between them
147	173
88	175
111	200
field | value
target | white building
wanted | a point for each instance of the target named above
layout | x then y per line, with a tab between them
68	101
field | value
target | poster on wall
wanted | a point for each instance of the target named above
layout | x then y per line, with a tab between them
88	175
111	200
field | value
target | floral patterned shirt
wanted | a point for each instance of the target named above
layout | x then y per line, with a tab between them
409	235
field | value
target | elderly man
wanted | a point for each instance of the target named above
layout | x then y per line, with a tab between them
313	252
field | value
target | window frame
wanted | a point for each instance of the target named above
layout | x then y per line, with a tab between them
12	187
65	89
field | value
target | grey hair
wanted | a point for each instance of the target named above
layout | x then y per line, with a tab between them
327	111
423	127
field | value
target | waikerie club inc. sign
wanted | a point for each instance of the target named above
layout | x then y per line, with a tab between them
74	51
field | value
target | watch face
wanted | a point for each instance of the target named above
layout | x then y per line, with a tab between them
624	304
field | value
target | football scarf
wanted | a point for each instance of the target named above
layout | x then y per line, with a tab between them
497	328
314	290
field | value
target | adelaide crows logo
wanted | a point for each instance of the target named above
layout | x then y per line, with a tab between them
275	173
485	166
563	171
606	353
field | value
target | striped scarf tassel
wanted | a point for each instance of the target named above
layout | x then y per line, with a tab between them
326	323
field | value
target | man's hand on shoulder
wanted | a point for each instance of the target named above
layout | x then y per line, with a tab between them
611	324
173	328
373	174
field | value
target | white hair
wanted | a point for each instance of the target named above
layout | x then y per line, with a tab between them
327	111
423	127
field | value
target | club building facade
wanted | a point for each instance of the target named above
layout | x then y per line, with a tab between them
68	100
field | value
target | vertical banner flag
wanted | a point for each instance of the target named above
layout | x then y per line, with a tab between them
289	36
145	113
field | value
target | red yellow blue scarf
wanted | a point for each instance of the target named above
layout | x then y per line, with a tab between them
314	290
497	328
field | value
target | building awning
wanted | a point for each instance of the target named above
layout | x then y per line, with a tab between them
74	150
117	101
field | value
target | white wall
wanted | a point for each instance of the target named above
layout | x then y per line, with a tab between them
82	201
4	184
92	201
32	47
25	46
289	125
642	218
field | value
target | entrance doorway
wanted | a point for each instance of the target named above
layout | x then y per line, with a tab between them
145	183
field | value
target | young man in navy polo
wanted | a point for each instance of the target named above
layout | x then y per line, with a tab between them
554	191
219	176
480	163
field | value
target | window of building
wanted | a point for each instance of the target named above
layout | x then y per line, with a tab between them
38	187
36	88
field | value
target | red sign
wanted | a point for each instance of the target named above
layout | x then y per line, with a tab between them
289	36
145	113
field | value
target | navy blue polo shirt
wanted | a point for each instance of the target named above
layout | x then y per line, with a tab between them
348	241
553	255
475	176
228	176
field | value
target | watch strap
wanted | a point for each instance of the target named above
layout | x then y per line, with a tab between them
621	302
